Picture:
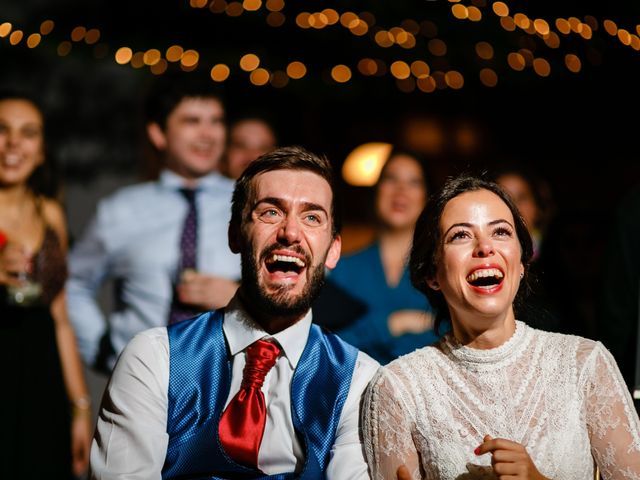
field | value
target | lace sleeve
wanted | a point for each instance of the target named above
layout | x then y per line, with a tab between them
612	420
388	426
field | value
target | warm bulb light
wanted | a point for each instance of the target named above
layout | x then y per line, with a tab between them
363	165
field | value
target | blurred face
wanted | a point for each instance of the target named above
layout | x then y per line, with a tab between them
479	265
21	141
520	191
287	242
248	140
194	137
401	193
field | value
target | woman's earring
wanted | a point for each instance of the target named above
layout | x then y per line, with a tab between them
435	285
521	275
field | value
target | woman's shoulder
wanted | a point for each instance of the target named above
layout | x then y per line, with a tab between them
565	338
415	361
54	217
361	255
354	263
581	348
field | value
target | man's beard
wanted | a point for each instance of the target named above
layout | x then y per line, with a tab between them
279	303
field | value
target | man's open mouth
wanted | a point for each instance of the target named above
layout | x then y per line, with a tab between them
284	263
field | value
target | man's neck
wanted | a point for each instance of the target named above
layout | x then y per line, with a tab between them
270	323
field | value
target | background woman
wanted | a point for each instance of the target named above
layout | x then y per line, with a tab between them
494	398
44	409
397	318
532	195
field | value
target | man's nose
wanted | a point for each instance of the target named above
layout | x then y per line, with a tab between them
289	231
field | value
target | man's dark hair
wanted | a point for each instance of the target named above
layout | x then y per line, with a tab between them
170	89
285	158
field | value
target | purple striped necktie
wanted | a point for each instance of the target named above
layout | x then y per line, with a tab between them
188	252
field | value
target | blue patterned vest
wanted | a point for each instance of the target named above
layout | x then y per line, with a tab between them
199	382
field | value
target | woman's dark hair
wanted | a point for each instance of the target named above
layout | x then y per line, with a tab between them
418	157
427	239
539	187
44	179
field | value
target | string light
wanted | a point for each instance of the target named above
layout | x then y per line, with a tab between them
408	74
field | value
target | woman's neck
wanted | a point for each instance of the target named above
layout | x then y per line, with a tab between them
396	241
14	196
484	333
394	249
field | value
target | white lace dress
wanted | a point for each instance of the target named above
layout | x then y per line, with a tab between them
560	396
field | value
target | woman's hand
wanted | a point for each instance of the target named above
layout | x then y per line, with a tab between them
15	262
81	433
510	460
409	321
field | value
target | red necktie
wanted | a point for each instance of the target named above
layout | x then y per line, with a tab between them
242	423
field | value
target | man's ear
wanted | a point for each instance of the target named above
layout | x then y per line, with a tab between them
333	255
156	135
233	234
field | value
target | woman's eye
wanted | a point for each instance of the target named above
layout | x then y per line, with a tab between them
502	232
458	235
32	133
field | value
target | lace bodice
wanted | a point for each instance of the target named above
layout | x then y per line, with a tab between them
560	396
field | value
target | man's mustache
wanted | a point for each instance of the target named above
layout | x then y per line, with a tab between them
268	251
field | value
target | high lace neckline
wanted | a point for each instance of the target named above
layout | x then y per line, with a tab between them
492	356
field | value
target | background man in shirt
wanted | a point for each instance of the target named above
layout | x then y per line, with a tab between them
173	388
135	237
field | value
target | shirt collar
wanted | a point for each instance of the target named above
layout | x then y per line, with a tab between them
210	181
241	331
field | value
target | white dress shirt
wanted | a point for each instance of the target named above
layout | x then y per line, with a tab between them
131	437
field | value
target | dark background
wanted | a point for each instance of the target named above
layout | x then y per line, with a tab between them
579	130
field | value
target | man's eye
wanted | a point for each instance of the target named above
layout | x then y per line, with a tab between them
314	219
269	215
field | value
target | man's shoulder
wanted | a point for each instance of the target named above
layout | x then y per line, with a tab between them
148	343
131	193
129	204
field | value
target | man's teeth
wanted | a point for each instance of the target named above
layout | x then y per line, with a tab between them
287	258
488	272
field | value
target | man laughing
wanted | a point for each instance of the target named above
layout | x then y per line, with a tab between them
253	390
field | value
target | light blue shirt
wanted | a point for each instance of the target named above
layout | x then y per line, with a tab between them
134	240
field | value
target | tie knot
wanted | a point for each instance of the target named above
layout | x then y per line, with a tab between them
189	194
261	357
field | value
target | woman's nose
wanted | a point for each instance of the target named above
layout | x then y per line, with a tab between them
484	248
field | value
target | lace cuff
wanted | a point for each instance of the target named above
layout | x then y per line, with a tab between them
611	418
388	427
